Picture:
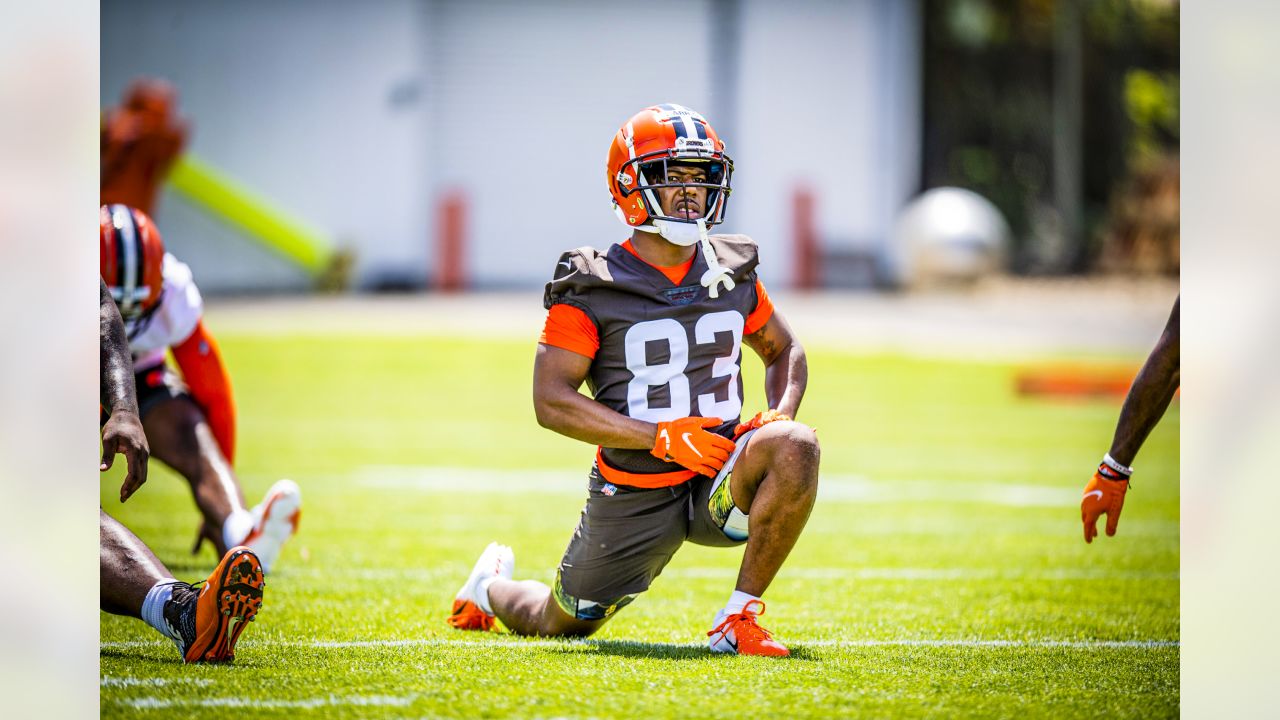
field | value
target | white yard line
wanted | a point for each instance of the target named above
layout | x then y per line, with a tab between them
499	643
909	573
436	574
159	703
114	681
831	486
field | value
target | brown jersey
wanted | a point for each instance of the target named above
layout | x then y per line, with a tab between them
666	350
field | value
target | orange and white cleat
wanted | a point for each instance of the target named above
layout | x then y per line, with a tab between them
206	621
739	633
275	520
497	561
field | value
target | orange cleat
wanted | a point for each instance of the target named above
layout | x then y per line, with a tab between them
738	633
497	561
468	616
206	621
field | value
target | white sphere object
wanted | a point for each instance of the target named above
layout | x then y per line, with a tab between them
949	236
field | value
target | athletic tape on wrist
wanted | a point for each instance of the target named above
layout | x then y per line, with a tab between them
1114	465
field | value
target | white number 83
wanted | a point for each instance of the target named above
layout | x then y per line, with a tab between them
672	372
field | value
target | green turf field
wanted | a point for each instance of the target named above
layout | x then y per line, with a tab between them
943	572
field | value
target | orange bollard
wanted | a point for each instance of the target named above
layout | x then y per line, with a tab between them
806	272
450	272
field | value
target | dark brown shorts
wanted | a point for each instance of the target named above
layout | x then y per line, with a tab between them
626	536
154	385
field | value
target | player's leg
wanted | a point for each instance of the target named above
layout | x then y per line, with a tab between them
623	541
128	570
775	482
180	437
203	622
771	479
527	607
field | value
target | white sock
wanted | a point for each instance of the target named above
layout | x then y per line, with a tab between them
737	601
236	527
153	606
482	595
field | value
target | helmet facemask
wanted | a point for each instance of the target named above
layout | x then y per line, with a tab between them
651	173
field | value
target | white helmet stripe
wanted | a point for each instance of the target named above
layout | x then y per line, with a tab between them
690	128
127	237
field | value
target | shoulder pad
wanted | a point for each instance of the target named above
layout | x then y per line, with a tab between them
738	253
576	273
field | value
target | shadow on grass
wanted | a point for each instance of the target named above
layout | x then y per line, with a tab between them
157	660
658	651
634	649
154	656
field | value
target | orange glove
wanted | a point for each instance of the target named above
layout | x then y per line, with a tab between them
761	418
686	441
1104	495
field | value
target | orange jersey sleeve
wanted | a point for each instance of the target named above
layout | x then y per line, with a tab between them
764	310
569	328
202	369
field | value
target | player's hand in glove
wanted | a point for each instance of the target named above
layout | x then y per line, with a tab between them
1104	495
687	442
761	418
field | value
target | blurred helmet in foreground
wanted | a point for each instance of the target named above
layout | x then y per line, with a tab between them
949	236
131	258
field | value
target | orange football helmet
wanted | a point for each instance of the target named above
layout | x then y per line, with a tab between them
640	153
131	259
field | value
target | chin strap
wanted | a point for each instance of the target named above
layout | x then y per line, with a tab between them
715	274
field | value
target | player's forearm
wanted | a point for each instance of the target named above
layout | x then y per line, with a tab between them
575	415
1152	391
785	380
116	388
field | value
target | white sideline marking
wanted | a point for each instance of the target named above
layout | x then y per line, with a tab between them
113	681
154	703
496	643
436	574
908	573
831	486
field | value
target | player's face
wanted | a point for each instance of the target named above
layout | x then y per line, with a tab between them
686	203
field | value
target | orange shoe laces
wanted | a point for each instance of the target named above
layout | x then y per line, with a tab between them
747	628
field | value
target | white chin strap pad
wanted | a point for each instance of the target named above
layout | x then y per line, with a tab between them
676	233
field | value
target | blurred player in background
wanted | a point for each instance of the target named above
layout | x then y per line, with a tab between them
140	141
655	327
1148	398
205	622
190	422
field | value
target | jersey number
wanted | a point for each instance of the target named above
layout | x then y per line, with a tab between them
670	374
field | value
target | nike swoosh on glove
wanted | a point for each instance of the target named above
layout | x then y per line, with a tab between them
761	418
1104	495
687	442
